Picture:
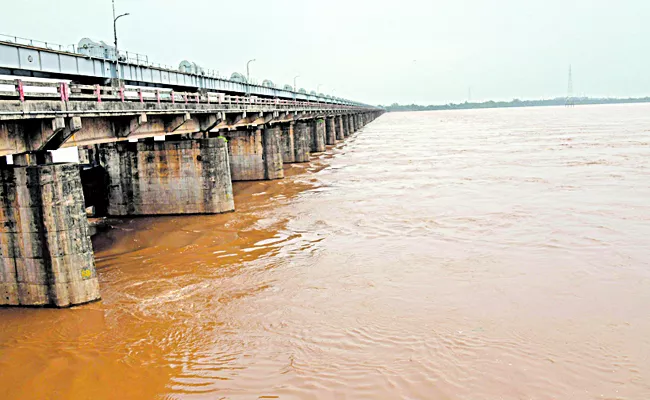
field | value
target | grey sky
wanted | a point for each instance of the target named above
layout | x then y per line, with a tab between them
376	51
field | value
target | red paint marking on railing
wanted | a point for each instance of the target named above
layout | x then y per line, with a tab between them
158	95
185	95
172	95
63	91
21	90
197	98
140	95
98	91
122	93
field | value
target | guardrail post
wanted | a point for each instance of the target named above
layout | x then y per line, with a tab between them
158	95
140	95
98	92
63	91
172	96
21	90
122	93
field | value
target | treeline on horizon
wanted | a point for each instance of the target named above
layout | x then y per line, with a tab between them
559	101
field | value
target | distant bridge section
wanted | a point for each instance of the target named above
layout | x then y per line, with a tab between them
32	61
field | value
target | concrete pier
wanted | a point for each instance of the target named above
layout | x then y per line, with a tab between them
318	135
338	124
170	177
46	254
330	131
287	142
255	153
302	141
346	125
351	127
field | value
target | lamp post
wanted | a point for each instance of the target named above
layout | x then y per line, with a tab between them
117	54
318	87
248	76
295	88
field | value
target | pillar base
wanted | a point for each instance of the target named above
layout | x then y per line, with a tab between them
317	128
255	154
46	253
287	143
302	142
330	131
166	178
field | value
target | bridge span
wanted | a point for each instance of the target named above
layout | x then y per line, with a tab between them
163	149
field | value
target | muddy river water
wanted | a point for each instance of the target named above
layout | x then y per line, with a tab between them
484	254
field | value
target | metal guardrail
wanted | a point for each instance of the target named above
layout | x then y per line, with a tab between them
60	91
38	43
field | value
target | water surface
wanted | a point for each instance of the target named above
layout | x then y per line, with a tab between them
483	254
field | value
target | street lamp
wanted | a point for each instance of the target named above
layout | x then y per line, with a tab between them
248	76
318	87
295	88
117	56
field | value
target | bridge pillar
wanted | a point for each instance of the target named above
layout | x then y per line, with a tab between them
338	124
302	141
287	142
318	135
170	177
351	124
330	131
255	154
345	119
46	254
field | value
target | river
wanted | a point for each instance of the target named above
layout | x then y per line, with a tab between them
479	254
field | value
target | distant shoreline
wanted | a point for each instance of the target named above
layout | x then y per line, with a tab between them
514	103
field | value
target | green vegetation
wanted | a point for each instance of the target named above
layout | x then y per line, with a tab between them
559	101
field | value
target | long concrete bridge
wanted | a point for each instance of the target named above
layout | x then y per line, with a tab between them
214	132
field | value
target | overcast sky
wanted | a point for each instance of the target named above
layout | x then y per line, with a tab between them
376	51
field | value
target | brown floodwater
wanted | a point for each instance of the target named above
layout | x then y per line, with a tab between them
484	254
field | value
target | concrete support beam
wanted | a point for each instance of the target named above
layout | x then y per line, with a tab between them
171	177
318	135
287	142
255	154
338	123
330	131
302	141
46	255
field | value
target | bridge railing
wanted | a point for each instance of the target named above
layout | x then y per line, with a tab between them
37	43
62	91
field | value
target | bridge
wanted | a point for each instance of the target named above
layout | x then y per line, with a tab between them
152	141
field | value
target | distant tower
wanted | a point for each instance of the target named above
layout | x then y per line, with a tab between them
570	101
